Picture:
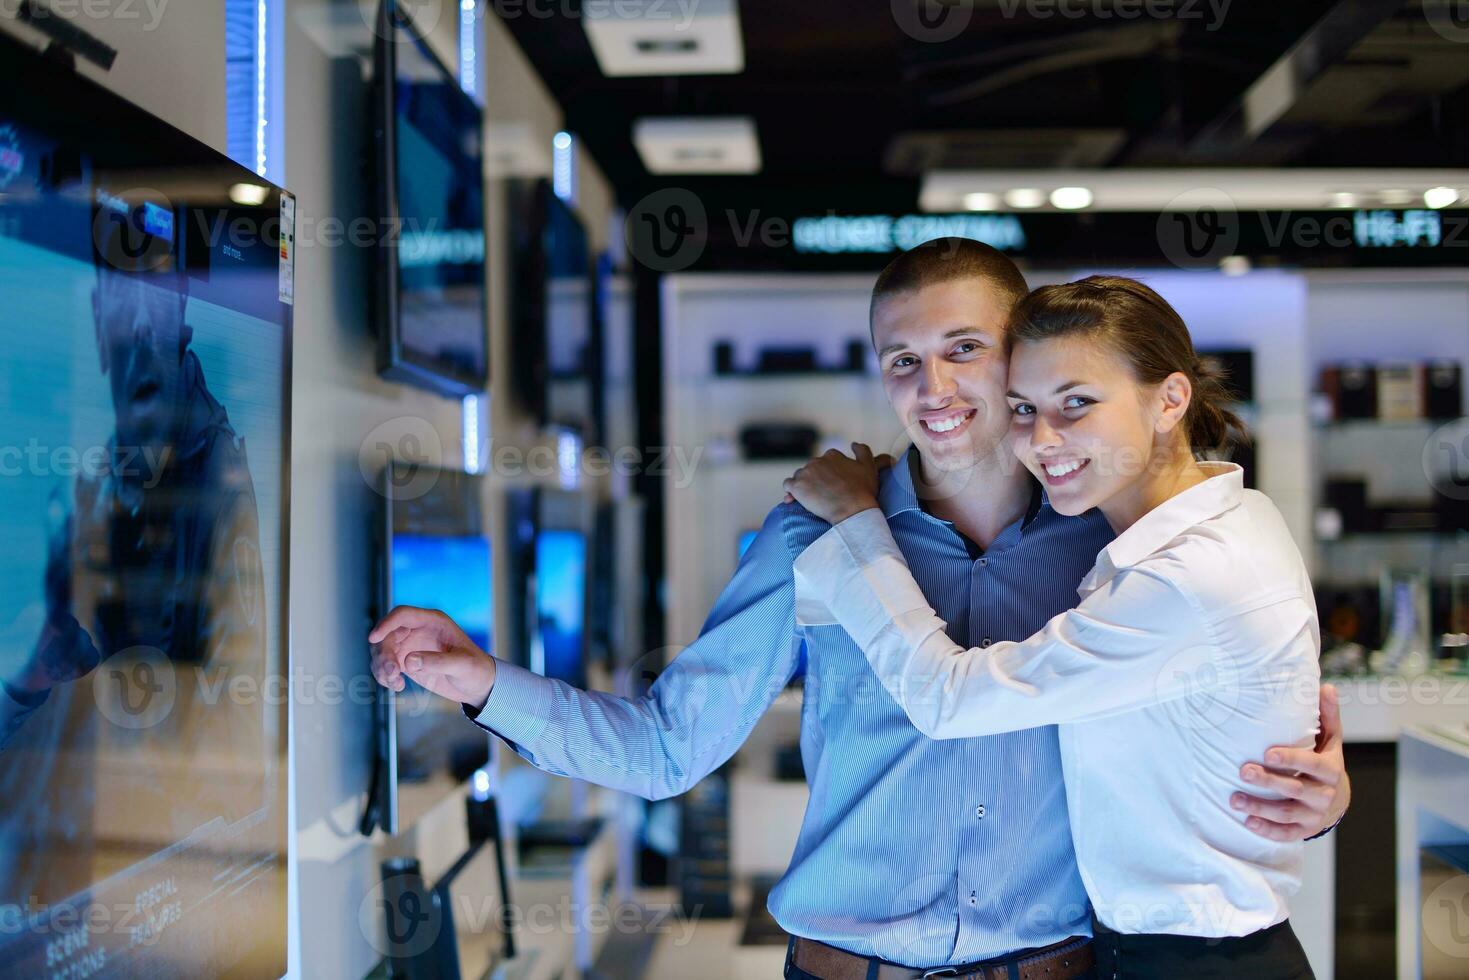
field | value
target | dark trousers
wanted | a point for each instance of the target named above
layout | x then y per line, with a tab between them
1270	954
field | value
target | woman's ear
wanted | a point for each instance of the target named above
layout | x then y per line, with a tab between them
1175	393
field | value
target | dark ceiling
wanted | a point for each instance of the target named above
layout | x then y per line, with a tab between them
850	109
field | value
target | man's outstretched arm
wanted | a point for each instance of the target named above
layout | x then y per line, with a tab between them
693	718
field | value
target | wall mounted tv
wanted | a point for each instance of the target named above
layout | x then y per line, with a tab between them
436	555
143	657
432	320
555	322
548	562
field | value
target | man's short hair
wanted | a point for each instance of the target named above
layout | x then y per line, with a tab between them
945	260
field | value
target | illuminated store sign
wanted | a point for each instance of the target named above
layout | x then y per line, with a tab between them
878	233
1385	228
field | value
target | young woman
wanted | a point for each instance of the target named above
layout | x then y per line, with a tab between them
1193	649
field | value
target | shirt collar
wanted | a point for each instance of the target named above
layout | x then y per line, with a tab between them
896	494
1220	492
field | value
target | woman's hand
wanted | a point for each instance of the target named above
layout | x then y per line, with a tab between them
834	486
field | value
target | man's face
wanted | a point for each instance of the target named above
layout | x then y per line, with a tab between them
942	354
140	321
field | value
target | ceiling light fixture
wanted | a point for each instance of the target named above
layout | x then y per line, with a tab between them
1440	197
1071	198
1025	197
981	201
1234	265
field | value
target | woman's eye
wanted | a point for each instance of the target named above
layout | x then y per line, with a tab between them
968	347
904	361
1079	401
1022	409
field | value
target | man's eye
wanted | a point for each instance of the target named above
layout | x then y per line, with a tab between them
904	361
968	347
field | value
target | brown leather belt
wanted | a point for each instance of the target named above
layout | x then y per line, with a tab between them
1062	961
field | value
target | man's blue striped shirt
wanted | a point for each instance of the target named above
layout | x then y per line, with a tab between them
922	852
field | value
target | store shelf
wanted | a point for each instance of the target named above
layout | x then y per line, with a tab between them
1375	425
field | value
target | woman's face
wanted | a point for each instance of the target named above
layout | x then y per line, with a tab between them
1080	421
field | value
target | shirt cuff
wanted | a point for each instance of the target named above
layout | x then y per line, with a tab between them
518	707
855	575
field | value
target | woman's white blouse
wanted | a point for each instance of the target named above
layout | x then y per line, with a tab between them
1194	648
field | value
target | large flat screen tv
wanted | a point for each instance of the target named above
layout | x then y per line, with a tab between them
144	416
436	556
431	307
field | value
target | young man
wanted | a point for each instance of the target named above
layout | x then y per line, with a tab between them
914	854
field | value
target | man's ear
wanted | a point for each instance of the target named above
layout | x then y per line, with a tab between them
1175	393
97	332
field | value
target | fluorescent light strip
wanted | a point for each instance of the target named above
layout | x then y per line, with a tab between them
469	433
563	167
261	22
468	48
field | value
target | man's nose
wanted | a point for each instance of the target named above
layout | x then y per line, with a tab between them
938	384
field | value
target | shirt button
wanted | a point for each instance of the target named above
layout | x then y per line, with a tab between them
985	642
983	562
979	811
